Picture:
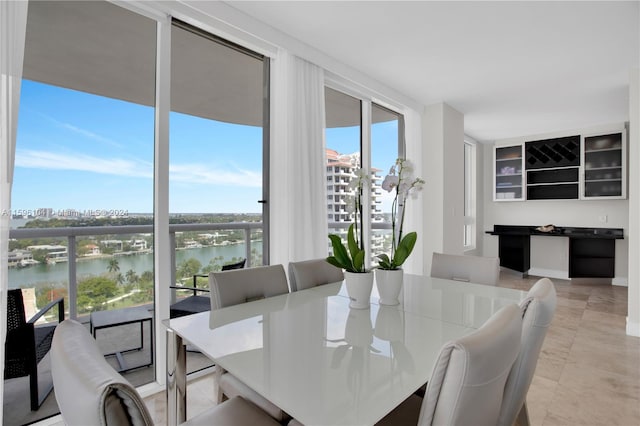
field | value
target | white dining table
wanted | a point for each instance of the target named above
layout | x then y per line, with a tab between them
326	364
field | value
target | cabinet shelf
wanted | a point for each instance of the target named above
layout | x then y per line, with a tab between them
602	180
595	151
552	183
513	174
604	168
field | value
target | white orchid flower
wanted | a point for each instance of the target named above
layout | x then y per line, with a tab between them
390	182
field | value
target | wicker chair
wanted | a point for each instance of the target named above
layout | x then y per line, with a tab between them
27	343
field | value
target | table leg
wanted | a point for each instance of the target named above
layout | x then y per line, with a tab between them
176	380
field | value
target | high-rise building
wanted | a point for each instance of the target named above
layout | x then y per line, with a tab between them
340	170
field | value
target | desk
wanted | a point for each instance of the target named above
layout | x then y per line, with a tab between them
119	317
324	363
591	250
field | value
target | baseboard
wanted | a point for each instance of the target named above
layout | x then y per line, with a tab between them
549	273
633	328
621	281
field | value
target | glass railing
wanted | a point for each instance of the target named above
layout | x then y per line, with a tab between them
98	268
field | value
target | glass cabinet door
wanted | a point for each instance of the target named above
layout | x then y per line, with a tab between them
604	166
508	182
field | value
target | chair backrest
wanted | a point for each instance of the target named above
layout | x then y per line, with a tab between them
467	383
88	390
15	310
475	269
539	308
244	285
312	273
237	265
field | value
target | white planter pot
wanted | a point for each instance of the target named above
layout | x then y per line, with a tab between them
389	324
359	286
389	284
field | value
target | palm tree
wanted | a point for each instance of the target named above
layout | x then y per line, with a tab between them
113	266
132	277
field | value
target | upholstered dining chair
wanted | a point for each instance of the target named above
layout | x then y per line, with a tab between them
230	288
539	307
467	383
475	269
90	392
311	273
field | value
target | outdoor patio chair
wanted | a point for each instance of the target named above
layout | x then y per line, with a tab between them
196	303
27	343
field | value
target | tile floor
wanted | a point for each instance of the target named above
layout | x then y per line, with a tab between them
588	372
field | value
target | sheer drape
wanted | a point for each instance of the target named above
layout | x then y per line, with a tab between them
13	24
298	186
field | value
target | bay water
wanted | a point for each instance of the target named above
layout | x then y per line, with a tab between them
57	274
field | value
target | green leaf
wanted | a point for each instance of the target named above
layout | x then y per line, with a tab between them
358	261
384	261
351	241
340	252
332	260
405	247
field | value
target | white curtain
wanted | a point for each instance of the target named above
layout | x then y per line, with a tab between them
298	205
13	24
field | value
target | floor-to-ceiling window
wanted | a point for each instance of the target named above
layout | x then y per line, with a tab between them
469	195
387	144
84	169
218	147
84	176
350	146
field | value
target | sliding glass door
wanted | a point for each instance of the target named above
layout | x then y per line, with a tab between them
218	148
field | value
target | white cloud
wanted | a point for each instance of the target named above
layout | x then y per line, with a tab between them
89	134
186	173
80	131
80	162
201	174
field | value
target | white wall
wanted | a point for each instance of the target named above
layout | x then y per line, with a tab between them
549	255
443	194
633	318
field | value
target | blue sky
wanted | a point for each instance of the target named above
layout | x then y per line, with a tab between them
85	152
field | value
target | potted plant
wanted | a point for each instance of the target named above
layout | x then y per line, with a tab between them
389	273
359	280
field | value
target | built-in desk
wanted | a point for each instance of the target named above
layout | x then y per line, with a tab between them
591	250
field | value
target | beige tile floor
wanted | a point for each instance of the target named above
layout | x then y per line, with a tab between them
588	372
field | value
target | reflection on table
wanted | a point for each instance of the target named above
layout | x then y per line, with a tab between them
324	363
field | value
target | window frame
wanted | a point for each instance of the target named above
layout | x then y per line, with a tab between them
470	194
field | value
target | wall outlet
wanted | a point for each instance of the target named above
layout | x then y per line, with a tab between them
603	218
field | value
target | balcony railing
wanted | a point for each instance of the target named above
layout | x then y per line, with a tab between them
71	233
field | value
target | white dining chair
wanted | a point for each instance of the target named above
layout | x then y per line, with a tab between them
233	287
475	269
90	392
311	273
539	307
467	383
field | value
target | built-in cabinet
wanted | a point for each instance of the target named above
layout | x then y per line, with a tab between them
573	167
604	159
508	182
553	168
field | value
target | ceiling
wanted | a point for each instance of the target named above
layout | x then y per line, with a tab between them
512	68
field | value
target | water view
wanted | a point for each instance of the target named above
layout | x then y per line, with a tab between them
57	274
